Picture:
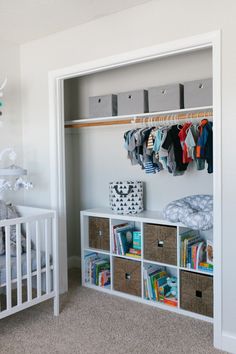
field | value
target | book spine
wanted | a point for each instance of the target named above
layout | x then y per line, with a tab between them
114	241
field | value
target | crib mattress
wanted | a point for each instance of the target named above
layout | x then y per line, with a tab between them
23	265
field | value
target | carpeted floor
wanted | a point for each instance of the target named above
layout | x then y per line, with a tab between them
91	322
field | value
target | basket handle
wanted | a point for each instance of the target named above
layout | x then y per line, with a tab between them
127	276
198	293
123	194
160	243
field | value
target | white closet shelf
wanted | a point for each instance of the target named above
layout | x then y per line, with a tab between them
89	249
138	259
196	112
148	216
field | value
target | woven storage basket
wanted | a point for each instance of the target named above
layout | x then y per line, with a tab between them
127	276
99	233
196	293
160	243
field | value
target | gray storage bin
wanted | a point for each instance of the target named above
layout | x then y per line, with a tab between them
165	98
103	106
198	93
132	102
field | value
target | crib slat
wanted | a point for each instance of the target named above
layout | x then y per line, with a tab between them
48	278
8	266
18	256
38	259
28	260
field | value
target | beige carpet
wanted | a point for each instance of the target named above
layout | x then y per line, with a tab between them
91	322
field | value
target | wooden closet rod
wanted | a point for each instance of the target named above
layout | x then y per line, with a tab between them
144	120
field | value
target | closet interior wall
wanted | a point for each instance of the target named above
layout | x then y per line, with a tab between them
95	155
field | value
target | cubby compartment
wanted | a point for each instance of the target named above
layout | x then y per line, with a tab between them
98	231
196	293
160	284
126	238
97	270
196	250
160	243
127	276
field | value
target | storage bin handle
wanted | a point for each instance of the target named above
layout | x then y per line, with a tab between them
160	243
198	293
122	194
100	233
127	276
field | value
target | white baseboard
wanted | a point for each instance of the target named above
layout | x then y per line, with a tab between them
228	342
74	262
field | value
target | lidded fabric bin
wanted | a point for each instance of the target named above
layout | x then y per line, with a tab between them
103	106
165	98
132	102
198	93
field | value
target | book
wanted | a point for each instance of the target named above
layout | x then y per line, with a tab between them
150	287
114	229
137	240
171	301
201	253
122	238
133	255
126	240
185	252
97	270
135	251
206	265
209	252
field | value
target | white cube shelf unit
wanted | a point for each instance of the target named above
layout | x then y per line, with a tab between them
194	287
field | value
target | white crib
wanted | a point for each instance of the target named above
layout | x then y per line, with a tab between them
31	277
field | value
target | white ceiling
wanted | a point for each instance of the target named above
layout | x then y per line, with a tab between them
25	20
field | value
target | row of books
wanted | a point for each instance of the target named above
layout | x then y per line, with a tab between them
194	252
97	270
157	286
126	240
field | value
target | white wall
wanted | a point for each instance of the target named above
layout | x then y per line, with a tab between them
148	24
162	71
11	129
96	156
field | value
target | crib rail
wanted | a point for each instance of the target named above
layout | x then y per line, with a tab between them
30	276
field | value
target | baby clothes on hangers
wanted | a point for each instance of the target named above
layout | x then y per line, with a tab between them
204	148
163	153
172	139
171	148
182	136
190	142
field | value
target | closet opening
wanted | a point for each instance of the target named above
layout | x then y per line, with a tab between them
92	154
95	156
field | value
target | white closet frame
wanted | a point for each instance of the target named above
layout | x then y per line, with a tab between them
57	148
